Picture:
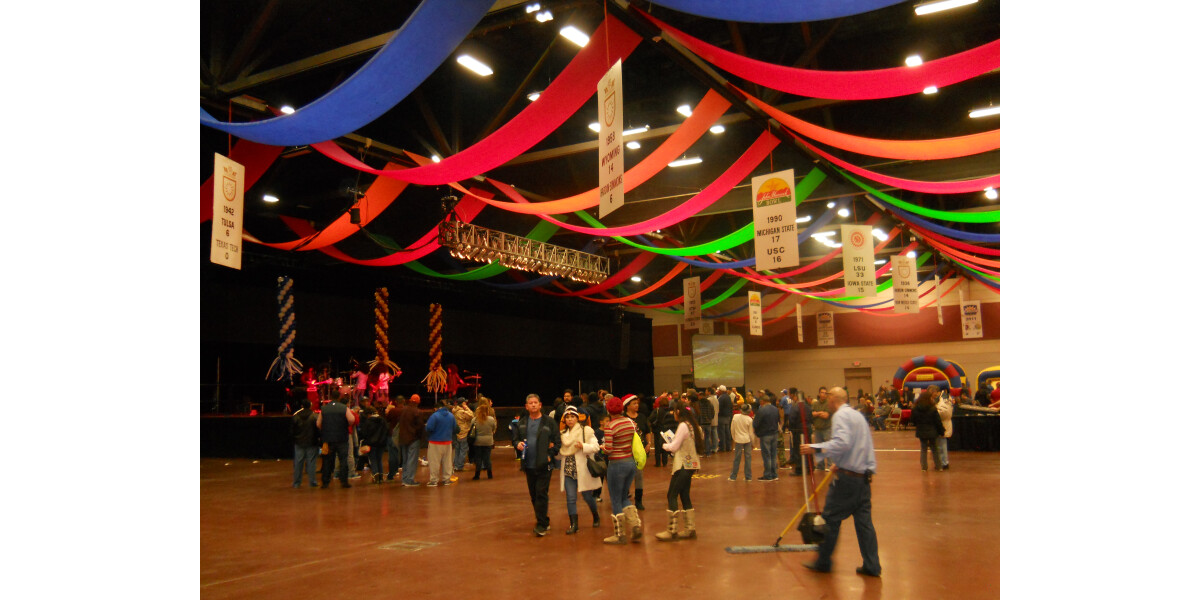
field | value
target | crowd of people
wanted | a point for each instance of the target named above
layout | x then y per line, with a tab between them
598	440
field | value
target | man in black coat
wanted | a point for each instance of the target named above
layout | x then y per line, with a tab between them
537	439
707	414
724	418
307	440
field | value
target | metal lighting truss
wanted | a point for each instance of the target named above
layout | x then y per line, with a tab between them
472	242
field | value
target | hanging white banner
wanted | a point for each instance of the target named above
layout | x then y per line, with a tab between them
972	321
774	199
824	329
610	95
937	294
799	324
691	303
858	260
756	313
228	201
905	285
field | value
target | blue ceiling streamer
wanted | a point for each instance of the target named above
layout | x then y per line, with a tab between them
774	11
429	36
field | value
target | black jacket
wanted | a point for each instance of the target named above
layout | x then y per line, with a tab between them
927	421
724	407
548	440
304	430
373	431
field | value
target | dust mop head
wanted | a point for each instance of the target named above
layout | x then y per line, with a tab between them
780	548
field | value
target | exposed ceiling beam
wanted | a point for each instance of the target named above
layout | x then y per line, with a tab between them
249	41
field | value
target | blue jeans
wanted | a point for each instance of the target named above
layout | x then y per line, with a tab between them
821	435
571	487
769	447
620	477
460	453
710	438
305	459
411	451
338	451
740	450
393	458
941	442
726	443
849	496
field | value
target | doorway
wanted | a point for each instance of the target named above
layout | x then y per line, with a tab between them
856	379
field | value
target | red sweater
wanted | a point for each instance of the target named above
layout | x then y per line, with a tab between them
618	438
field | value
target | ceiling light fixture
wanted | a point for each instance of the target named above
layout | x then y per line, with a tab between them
594	127
879	234
831	205
269	198
717	129
532	8
436	158
635	279
576	36
474	65
984	112
880	262
684	109
843	212
544	16
911	254
642	129
533	96
940	5
804	219
633	145
913	61
931	90
683	162
823	234
991	193
287	110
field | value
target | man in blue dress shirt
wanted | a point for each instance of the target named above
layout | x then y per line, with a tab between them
851	449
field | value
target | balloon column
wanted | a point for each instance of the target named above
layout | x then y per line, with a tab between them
284	364
381	331
435	381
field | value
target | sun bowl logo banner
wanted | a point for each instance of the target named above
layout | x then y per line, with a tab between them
972	322
825	329
226	241
858	260
773	197
756	313
610	94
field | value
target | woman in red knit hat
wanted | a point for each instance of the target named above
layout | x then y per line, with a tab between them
618	445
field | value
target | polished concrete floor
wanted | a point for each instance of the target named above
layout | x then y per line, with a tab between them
939	536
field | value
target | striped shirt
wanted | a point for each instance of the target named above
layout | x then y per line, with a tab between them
618	438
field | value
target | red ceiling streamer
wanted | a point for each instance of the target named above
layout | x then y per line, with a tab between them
845	85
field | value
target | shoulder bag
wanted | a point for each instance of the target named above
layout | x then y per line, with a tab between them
639	451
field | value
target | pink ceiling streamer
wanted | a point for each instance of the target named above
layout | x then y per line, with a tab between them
739	170
845	85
